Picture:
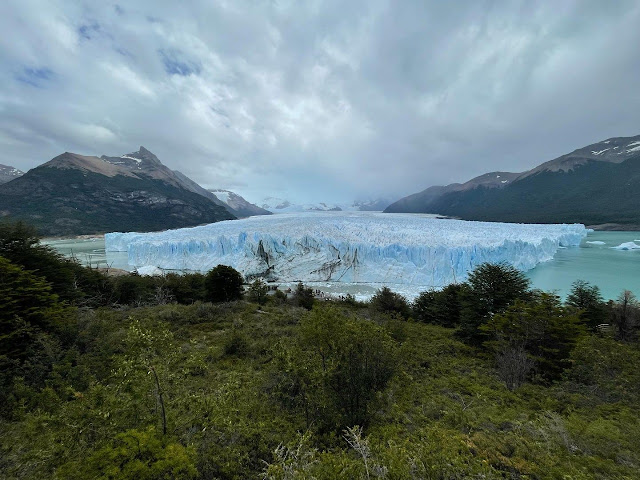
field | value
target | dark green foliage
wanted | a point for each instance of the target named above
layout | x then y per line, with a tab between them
625	316
491	289
236	343
20	244
27	306
587	300
388	302
542	328
303	297
258	292
187	288
223	284
133	289
605	370
336	368
275	393
440	307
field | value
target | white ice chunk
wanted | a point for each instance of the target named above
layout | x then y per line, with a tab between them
149	270
627	246
597	242
348	247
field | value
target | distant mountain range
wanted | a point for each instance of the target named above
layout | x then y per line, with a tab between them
8	173
280	205
598	185
238	205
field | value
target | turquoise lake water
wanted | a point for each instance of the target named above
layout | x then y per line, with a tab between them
611	270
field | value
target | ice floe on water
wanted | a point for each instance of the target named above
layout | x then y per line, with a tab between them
352	247
628	246
596	242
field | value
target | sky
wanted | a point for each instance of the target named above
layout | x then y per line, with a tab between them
318	100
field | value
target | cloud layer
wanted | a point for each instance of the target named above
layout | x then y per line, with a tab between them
318	100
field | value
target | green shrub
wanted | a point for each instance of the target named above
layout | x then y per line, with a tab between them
388	302
223	284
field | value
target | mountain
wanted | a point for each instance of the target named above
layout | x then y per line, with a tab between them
8	173
376	205
280	205
598	185
237	204
75	194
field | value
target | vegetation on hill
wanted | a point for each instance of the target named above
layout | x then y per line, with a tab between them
72	201
145	378
594	193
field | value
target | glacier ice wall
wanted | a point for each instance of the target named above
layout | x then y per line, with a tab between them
348	247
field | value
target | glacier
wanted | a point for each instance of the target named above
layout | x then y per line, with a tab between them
351	247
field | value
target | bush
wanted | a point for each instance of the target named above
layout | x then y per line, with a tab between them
440	307
542	328
258	292
187	288
491	288
20	244
303	297
386	301
223	284
336	368
587	299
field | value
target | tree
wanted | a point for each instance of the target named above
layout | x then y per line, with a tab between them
303	297
258	292
26	307
223	284
386	301
491	288
542	328
440	307
20	244
587	300
625	316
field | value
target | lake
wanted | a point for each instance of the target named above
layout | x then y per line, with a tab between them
597	263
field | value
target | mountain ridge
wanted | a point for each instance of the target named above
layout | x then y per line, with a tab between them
597	185
74	194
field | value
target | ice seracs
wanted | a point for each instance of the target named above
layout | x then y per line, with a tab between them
348	247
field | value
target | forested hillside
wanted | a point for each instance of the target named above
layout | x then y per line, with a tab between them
187	377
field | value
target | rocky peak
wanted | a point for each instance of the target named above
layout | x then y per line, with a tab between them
8	173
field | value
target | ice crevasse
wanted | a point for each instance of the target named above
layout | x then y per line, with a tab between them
348	247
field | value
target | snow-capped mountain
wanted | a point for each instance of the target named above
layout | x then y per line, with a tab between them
8	173
237	204
280	205
598	185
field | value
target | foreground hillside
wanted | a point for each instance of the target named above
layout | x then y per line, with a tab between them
74	194
595	185
178	377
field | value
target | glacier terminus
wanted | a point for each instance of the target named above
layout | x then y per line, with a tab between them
350	247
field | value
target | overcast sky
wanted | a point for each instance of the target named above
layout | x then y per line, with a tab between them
313	101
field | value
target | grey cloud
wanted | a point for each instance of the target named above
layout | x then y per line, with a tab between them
318	100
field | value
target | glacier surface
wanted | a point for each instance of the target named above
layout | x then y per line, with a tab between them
353	247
